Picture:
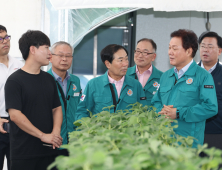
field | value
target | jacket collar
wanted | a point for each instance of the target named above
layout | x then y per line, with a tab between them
154	74
132	71
218	63
69	80
105	80
50	72
190	72
58	78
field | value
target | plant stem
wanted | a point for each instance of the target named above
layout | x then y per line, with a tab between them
86	166
113	143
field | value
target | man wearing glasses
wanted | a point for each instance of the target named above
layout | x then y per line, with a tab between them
7	66
144	71
68	87
210	50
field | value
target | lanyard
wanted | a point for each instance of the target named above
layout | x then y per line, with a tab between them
65	103
113	96
62	94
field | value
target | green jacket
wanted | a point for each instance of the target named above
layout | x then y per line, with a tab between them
97	95
72	99
193	95
151	85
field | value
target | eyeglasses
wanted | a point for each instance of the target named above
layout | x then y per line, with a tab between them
61	56
7	38
207	47
143	53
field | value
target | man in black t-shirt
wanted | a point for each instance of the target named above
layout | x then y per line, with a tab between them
34	107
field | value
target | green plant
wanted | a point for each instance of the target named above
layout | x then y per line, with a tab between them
135	139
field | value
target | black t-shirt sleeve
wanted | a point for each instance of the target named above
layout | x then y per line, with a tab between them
56	101
13	95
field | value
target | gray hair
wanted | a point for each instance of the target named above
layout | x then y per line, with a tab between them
60	43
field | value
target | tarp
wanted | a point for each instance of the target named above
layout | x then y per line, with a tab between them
87	15
86	20
157	5
188	5
81	4
80	22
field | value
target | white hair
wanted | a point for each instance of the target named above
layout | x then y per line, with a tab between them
60	43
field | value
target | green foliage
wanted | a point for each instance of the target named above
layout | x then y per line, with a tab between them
135	139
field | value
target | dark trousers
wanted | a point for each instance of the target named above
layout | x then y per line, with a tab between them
4	149
63	152
213	140
36	163
40	163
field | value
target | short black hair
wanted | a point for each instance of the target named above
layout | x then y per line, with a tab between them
108	52
211	34
189	39
149	40
32	38
2	28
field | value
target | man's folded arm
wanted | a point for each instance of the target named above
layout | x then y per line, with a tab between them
23	123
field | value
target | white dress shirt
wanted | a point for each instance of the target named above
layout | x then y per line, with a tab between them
5	72
212	69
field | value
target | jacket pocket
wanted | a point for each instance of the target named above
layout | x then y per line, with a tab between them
165	89
126	101
189	91
100	99
164	93
130	100
101	102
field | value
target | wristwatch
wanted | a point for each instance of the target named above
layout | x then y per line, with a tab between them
177	114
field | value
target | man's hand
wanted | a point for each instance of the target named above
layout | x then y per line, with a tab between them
57	123
2	121
56	132
169	111
54	139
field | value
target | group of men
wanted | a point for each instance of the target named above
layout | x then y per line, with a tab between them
43	107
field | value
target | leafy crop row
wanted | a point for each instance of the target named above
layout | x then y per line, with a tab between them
135	139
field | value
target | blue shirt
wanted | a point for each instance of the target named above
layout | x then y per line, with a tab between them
181	72
62	83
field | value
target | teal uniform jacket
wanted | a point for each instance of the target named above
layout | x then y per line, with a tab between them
193	95
151	85
73	95
97	95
